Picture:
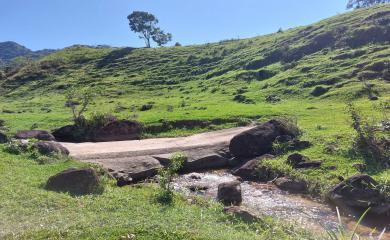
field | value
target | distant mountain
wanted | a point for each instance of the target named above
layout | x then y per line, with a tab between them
10	50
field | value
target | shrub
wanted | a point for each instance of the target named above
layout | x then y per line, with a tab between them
368	141
146	107
17	147
272	98
290	124
78	101
165	196
319	90
243	99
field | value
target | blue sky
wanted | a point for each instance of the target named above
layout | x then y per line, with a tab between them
39	24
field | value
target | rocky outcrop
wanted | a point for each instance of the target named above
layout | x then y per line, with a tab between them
254	171
359	192
75	181
259	140
37	134
291	185
50	148
132	170
197	160
116	130
229	193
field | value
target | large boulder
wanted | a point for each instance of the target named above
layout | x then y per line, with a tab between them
132	169
116	130
50	148
291	185
259	140
254	171
75	181
3	138
37	134
197	160
229	193
69	133
359	192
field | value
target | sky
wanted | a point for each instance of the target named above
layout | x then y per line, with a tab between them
40	24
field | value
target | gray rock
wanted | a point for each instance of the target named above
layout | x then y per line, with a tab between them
197	160
132	169
229	193
291	185
254	171
37	134
75	181
50	148
258	141
359	192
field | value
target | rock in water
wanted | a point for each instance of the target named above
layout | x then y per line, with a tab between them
75	181
359	192
253	171
37	134
50	148
291	185
229	193
259	140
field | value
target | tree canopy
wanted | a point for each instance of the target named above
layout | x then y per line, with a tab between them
364	3
145	24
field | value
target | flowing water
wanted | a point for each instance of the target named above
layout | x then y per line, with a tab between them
266	199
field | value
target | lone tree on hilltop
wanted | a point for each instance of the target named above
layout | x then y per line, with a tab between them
145	24
364	3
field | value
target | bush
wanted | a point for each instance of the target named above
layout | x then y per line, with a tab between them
165	196
243	99
17	147
319	90
146	107
368	141
78	101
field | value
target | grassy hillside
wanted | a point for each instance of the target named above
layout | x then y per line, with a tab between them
308	72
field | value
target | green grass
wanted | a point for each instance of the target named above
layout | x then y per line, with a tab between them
28	211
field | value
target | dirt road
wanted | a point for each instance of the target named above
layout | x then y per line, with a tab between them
85	151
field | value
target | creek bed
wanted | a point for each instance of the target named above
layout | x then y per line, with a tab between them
266	199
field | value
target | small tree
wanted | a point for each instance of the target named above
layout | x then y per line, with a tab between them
165	178
78	102
145	24
364	3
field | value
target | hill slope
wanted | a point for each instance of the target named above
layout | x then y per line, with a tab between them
333	54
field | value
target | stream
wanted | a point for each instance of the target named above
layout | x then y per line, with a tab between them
266	199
